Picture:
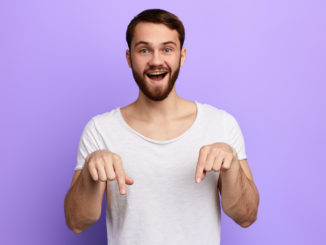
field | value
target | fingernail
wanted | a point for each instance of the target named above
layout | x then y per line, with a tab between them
123	191
198	180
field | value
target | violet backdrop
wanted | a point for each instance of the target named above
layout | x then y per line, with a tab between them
62	62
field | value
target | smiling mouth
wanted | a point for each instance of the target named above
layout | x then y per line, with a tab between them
156	76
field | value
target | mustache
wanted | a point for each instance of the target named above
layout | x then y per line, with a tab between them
157	68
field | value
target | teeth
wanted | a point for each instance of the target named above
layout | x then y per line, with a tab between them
156	73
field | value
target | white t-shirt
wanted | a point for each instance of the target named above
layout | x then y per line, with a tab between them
164	205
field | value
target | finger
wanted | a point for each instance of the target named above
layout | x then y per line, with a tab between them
117	164
200	164
218	162
129	180
101	171
111	174
203	175
93	172
227	162
210	159
109	171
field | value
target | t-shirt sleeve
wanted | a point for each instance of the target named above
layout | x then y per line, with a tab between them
234	136
89	142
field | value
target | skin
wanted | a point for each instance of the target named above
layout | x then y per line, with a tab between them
239	195
159	113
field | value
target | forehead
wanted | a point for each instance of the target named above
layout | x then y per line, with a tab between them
154	33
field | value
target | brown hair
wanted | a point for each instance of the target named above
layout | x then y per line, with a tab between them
159	16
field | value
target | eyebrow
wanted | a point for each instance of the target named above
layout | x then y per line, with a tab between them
147	43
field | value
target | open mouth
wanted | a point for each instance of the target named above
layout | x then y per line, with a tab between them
156	76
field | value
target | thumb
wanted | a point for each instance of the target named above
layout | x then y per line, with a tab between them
129	180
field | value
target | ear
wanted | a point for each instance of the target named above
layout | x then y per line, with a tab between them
183	56
128	57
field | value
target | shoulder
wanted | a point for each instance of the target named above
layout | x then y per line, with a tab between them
210	110
105	118
218	116
98	122
216	112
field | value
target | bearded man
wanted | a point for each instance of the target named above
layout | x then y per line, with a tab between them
167	164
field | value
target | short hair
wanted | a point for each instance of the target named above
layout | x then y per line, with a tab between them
158	16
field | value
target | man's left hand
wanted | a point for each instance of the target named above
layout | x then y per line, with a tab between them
216	157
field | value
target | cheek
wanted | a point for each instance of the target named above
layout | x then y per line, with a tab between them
174	64
173	61
138	64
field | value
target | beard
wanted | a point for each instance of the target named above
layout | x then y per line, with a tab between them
157	93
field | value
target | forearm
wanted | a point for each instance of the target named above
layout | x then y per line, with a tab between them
83	202
239	196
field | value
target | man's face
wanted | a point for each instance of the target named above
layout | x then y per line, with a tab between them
155	59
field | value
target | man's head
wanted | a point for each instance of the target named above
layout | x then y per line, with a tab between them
155	38
158	16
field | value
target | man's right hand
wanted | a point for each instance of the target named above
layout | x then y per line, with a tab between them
104	165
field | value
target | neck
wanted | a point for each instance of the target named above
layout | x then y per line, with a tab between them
159	111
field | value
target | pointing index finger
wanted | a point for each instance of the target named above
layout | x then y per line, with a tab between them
200	164
120	175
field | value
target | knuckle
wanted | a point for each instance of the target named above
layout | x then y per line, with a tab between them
105	157
118	175
229	156
97	162
204	149
221	151
111	175
201	163
116	157
111	178
92	166
121	182
101	172
90	163
96	153
107	165
222	154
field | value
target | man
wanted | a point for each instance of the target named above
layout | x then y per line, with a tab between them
161	159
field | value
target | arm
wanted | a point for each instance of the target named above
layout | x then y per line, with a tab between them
239	195
83	201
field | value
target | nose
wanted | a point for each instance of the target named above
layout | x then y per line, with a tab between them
156	59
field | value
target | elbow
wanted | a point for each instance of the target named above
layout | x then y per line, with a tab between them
79	227
248	219
78	221
247	223
74	228
243	216
79	224
248	215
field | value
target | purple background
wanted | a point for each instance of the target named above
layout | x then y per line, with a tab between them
63	62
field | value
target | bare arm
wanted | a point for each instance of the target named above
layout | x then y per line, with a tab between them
239	195
83	201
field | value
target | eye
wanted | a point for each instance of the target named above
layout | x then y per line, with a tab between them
167	50
143	51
